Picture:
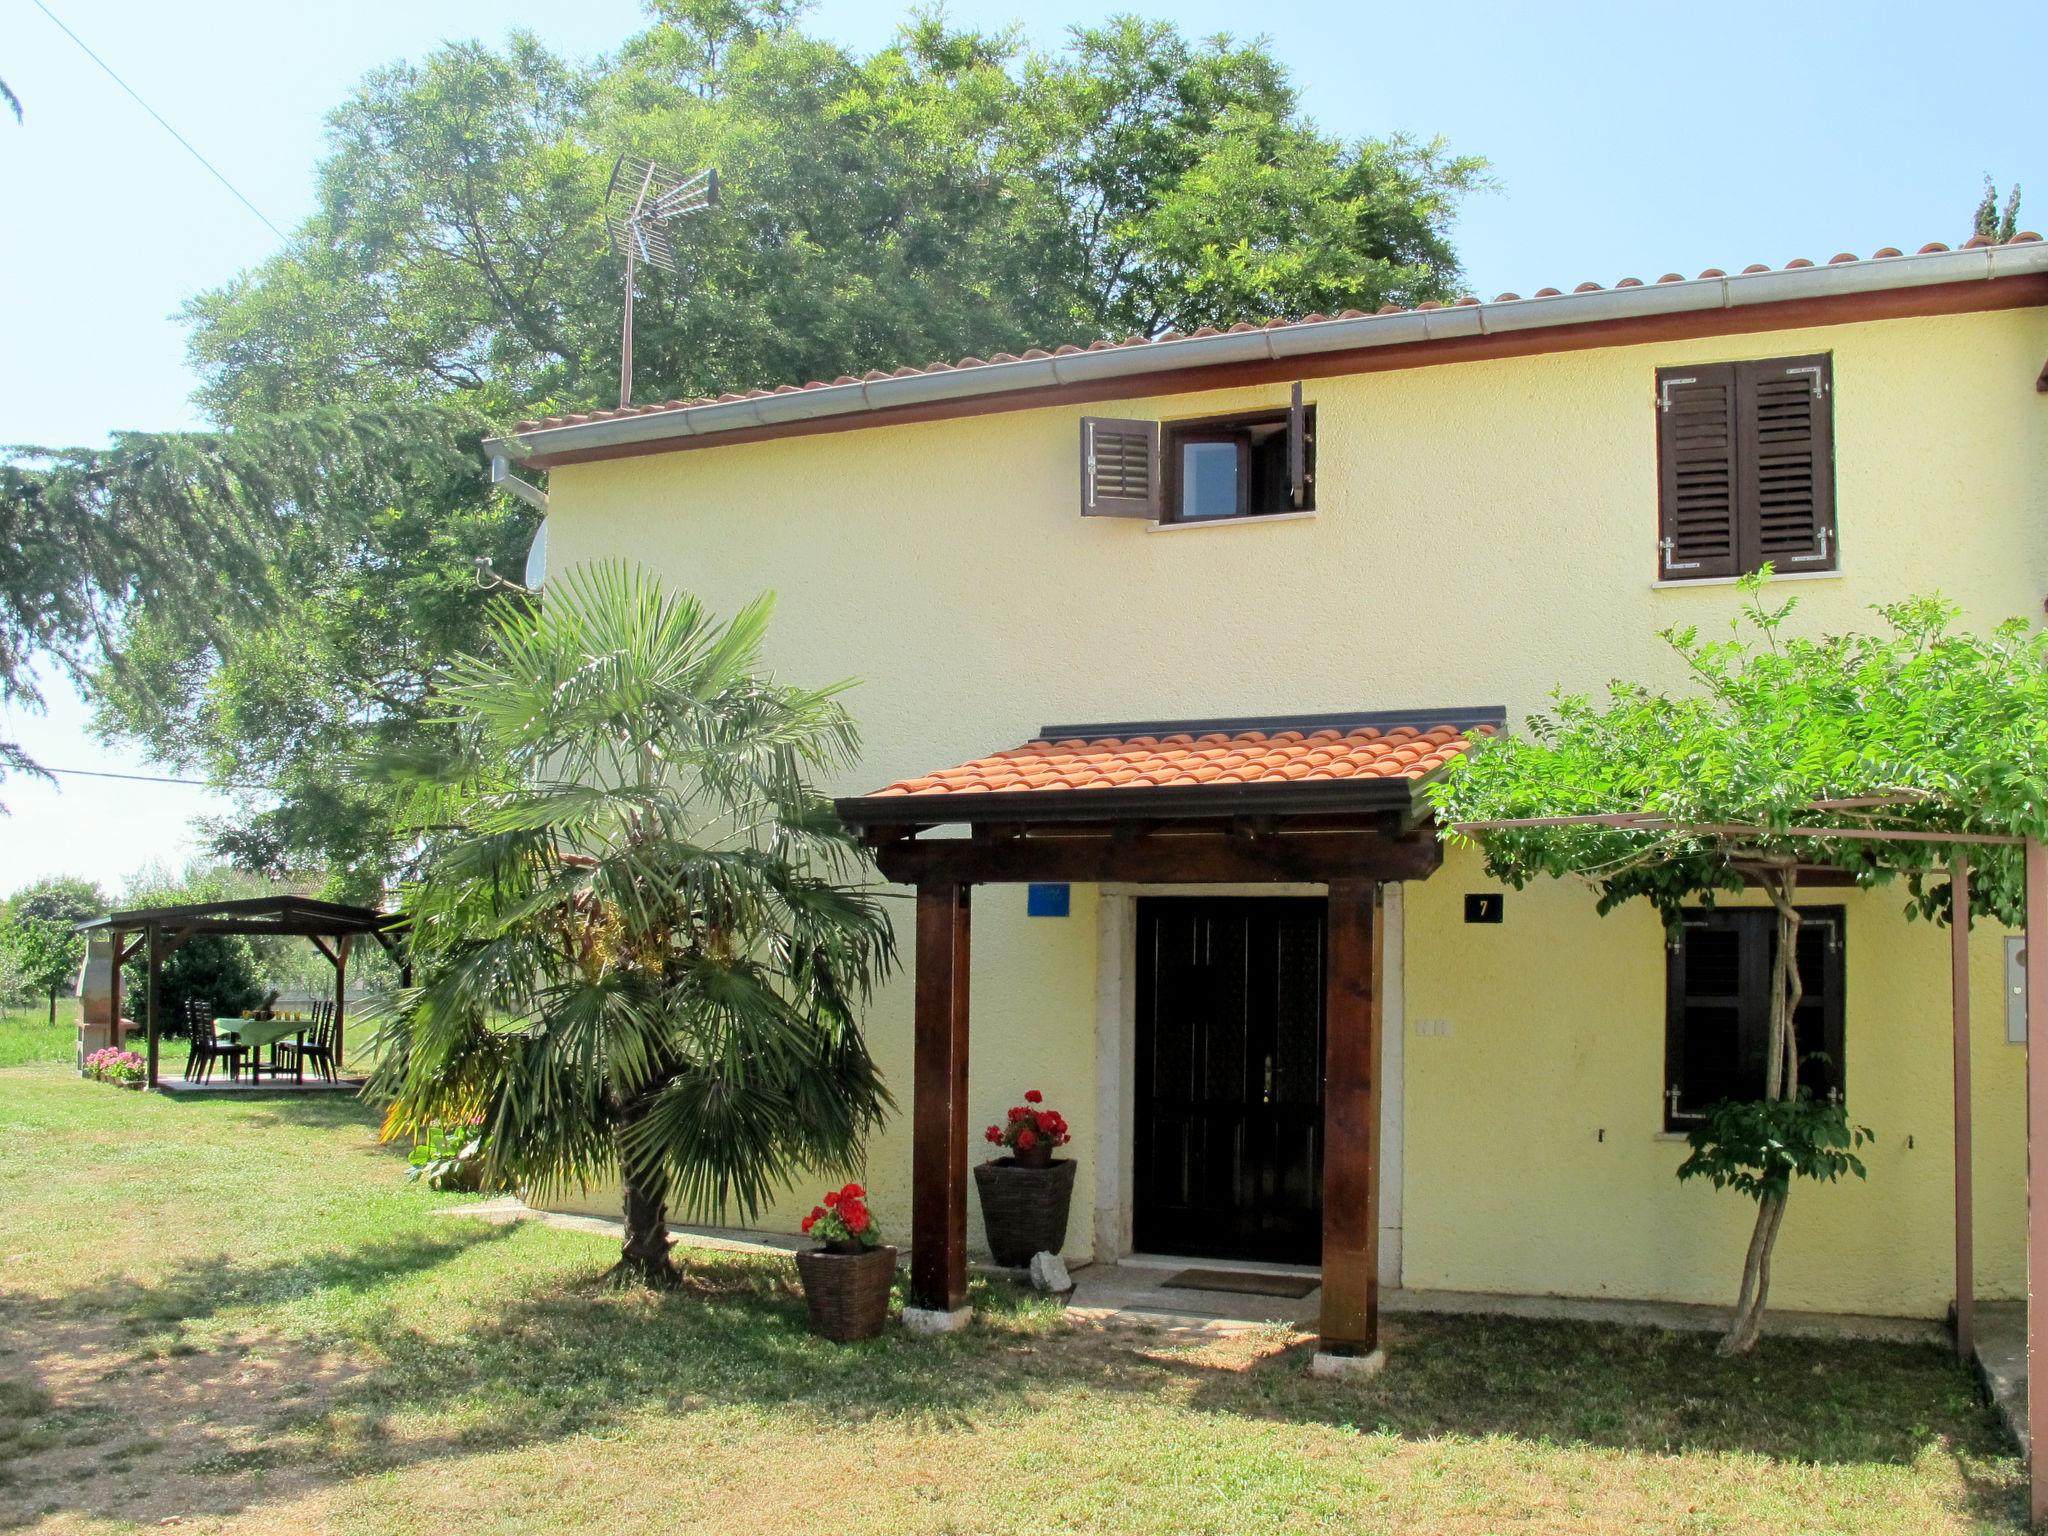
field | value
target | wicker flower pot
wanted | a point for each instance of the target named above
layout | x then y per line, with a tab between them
848	1293
1024	1209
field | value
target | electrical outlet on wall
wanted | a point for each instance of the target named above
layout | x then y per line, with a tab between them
1433	1027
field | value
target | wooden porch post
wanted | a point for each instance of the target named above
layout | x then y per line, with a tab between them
156	976
2037	1175
938	1220
1959	1008
1351	1133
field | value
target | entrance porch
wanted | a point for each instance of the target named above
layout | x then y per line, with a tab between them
1331	803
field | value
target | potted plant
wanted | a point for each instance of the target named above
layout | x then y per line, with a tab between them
1025	1193
846	1282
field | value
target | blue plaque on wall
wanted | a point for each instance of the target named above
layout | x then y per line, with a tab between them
1046	900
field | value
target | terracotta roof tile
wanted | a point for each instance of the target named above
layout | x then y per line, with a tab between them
1975	242
1214	757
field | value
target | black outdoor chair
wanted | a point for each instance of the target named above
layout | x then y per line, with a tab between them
317	1051
208	1047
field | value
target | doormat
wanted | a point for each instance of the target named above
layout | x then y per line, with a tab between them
1239	1283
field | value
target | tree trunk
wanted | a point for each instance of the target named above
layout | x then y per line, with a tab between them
643	1254
1781	1082
53	1010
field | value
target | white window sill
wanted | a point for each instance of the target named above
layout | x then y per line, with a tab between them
1729	581
1249	520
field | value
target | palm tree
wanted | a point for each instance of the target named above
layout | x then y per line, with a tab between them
641	937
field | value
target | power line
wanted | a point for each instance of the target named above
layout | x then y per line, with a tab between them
152	111
152	778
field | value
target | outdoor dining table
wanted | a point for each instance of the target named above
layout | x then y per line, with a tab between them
258	1033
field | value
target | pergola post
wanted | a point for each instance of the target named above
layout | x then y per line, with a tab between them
1350	1327
2037	1175
938	1220
1959	1008
341	944
155	985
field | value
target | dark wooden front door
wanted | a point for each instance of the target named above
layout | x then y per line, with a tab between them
1229	1112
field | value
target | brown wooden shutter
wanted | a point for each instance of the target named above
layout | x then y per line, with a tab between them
1787	454
1297	450
1698	484
1119	467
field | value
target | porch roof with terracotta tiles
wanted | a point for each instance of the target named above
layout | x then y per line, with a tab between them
1196	768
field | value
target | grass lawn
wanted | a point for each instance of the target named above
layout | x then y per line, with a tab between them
26	1034
236	1314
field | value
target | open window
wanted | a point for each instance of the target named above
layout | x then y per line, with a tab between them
1213	469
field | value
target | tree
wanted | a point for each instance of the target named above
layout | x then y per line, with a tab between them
187	527
227	971
13	101
1989	222
337	671
38	934
951	193
636	947
1677	798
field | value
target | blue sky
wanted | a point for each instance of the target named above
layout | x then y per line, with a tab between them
1628	141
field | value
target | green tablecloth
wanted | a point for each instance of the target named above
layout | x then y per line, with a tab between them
257	1033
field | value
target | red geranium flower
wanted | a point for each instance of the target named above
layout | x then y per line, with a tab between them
831	1198
1033	1096
995	1134
854	1191
1026	1139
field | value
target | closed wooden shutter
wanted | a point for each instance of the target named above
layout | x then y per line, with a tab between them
1119	467
1787	455
1746	468
1718	1003
1699	484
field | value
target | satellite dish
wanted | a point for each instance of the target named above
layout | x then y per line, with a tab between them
537	558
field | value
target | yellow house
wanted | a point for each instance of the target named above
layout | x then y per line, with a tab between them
1156	643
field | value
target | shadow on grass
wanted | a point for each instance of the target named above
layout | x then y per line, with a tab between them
582	1357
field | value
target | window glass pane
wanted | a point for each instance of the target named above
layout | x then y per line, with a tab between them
1208	480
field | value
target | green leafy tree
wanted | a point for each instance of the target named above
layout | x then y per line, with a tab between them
1679	797
187	527
338	670
37	933
228	972
637	949
951	193
1989	220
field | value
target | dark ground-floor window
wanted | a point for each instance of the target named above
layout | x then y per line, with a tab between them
1717	1007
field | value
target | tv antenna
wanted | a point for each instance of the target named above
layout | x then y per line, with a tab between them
640	204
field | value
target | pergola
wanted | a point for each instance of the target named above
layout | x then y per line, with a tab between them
2035	855
158	933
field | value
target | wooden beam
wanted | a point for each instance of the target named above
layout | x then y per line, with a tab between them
2037	1177
1959	1018
323	946
938	1215
1351	1122
1207	856
155	939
